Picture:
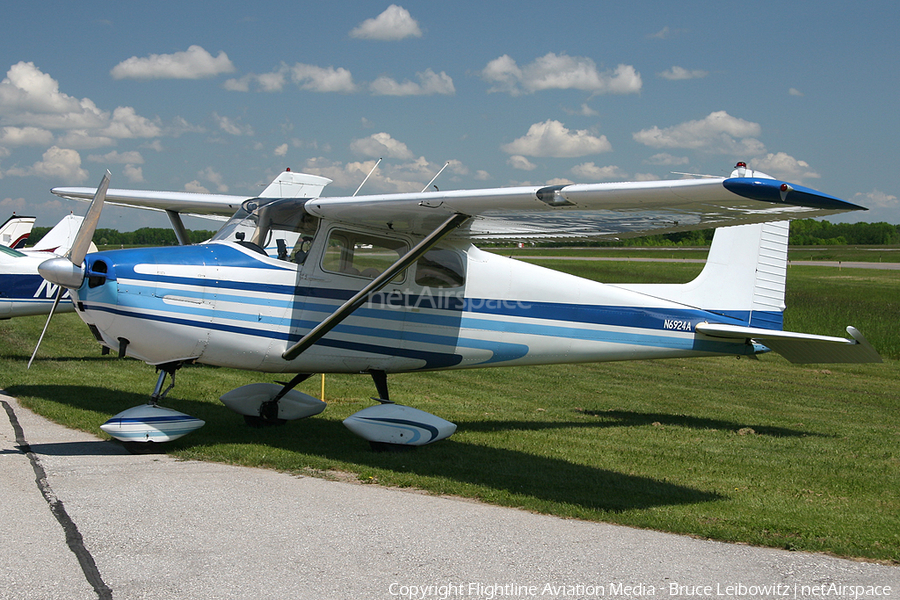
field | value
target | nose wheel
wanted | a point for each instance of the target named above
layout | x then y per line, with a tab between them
140	425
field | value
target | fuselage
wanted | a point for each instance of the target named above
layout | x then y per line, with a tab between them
225	303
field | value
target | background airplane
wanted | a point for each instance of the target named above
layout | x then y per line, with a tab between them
23	292
394	283
15	231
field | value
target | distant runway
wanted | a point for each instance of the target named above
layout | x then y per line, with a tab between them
83	519
791	263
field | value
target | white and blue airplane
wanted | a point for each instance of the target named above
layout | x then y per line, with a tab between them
394	283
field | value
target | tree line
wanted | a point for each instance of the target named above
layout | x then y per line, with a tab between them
145	236
804	232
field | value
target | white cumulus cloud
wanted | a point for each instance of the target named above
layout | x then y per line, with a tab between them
30	97
319	79
666	159
133	173
194	63
677	73
25	136
717	132
60	164
381	145
115	157
395	23
877	199
559	71
592	172
517	161
551	138
230	127
429	83
784	166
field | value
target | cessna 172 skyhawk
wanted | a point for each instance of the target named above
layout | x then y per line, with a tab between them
385	284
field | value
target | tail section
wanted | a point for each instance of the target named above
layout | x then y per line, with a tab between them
59	239
15	231
744	276
744	280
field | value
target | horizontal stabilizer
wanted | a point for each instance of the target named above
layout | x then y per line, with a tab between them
800	348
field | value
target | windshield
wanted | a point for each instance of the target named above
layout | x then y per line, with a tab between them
270	226
10	252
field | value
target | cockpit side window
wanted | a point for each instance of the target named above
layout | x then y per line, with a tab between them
279	228
361	255
441	268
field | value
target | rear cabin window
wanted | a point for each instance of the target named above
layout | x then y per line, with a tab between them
361	255
441	268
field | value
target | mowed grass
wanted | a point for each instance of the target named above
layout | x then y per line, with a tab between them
755	451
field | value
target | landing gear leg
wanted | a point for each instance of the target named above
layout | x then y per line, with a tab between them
268	411
166	369
380	379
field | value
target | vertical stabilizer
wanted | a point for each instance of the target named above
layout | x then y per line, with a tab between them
295	185
59	239
744	276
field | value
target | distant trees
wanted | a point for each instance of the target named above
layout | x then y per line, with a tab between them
145	236
805	232
808	232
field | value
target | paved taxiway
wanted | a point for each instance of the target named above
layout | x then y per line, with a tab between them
83	519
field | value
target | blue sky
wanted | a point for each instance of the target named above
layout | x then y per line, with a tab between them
221	96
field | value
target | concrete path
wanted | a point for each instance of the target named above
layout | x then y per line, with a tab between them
83	519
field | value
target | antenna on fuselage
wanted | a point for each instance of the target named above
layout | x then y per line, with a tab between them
446	164
367	177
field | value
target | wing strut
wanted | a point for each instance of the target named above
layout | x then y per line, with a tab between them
179	228
379	282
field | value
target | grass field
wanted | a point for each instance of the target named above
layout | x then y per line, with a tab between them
756	451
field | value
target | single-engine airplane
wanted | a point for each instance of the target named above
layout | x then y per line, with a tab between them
394	283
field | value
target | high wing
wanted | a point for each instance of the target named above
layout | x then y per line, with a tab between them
286	185
217	207
586	211
187	203
594	211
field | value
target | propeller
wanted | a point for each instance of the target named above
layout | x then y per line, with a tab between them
68	271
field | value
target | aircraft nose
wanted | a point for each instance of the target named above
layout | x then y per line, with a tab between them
62	272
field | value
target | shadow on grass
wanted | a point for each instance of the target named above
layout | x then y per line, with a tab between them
495	474
618	418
